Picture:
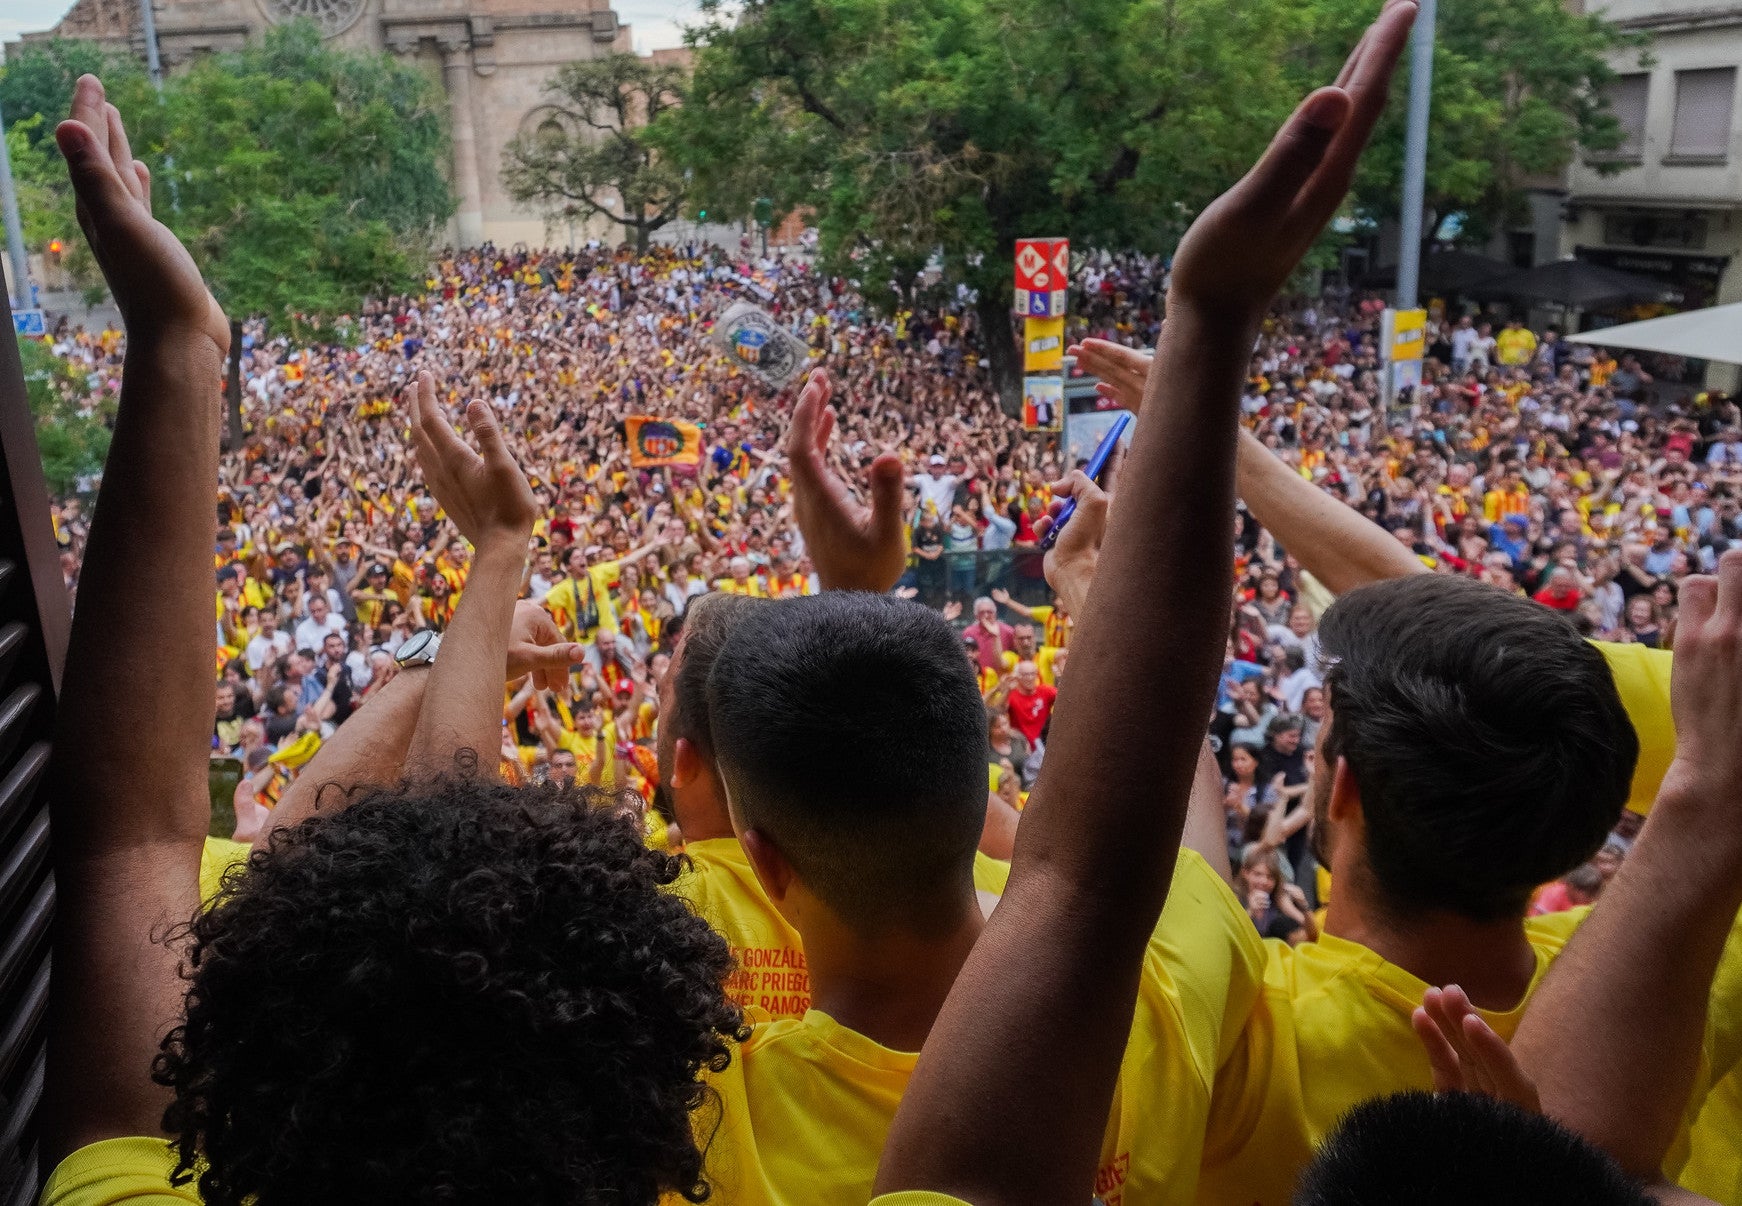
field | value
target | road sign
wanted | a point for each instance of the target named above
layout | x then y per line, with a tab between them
1038	304
29	324
1043	345
1043	267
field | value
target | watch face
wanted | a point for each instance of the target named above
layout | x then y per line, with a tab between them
416	645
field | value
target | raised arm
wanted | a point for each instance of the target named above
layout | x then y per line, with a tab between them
854	547
1334	542
459	727
1037	1020
128	801
1613	1037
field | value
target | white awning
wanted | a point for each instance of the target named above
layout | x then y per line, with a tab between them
1711	334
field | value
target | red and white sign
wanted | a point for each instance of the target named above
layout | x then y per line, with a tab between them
1042	265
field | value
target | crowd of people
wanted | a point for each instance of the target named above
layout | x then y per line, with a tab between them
485	687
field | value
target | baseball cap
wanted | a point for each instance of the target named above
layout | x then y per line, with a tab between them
937	460
624	686
374	568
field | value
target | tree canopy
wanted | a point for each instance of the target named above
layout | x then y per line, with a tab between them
913	128
1518	89
589	155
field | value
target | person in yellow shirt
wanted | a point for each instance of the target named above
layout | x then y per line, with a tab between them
1437	822
740	581
1055	622
581	601
771	979
1509	497
876	871
1515	345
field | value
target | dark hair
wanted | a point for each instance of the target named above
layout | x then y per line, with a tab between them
456	992
1490	746
849	729
707	622
1451	1149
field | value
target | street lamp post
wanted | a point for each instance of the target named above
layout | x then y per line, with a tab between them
21	290
1421	78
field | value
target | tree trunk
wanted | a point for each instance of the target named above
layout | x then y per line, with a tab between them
233	386
998	337
641	238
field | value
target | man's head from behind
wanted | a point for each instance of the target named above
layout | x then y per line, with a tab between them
450	992
688	783
1451	1149
1476	746
851	738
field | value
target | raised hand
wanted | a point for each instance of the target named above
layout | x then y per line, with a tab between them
484	492
854	547
153	278
1246	243
1706	689
537	647
1466	1055
1070	564
1121	371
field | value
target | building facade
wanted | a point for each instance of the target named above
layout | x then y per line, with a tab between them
492	58
1668	202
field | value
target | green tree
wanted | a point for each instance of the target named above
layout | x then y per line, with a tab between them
36	88
38	78
591	157
72	428
303	178
954	127
1518	89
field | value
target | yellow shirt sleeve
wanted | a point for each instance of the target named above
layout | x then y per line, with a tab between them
917	1197
133	1171
603	574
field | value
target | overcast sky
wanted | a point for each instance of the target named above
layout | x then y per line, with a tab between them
657	23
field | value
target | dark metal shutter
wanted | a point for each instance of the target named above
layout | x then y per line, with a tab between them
34	618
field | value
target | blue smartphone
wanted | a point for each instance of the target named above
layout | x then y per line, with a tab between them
1094	469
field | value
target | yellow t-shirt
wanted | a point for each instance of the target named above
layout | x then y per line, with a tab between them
133	1170
585	749
917	1197
1642	678
1514	345
217	856
1043	658
809	1094
571	603
1333	1029
771	980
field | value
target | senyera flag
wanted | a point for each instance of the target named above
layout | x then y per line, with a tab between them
662	441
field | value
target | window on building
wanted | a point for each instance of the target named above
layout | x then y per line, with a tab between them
1627	103
1704	108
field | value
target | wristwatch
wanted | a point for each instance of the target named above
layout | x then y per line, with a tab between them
419	649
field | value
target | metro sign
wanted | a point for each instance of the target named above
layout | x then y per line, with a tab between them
1043	268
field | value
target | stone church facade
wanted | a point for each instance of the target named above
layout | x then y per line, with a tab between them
491	56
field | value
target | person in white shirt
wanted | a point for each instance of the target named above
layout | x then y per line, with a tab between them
1726	450
267	645
312	632
936	486
1463	342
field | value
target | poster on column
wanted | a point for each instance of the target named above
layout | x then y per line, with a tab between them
1043	345
1043	403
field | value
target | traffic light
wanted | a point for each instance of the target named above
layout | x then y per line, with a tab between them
764	211
55	247
701	215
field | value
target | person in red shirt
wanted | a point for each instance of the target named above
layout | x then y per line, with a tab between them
1030	702
990	635
1562	592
